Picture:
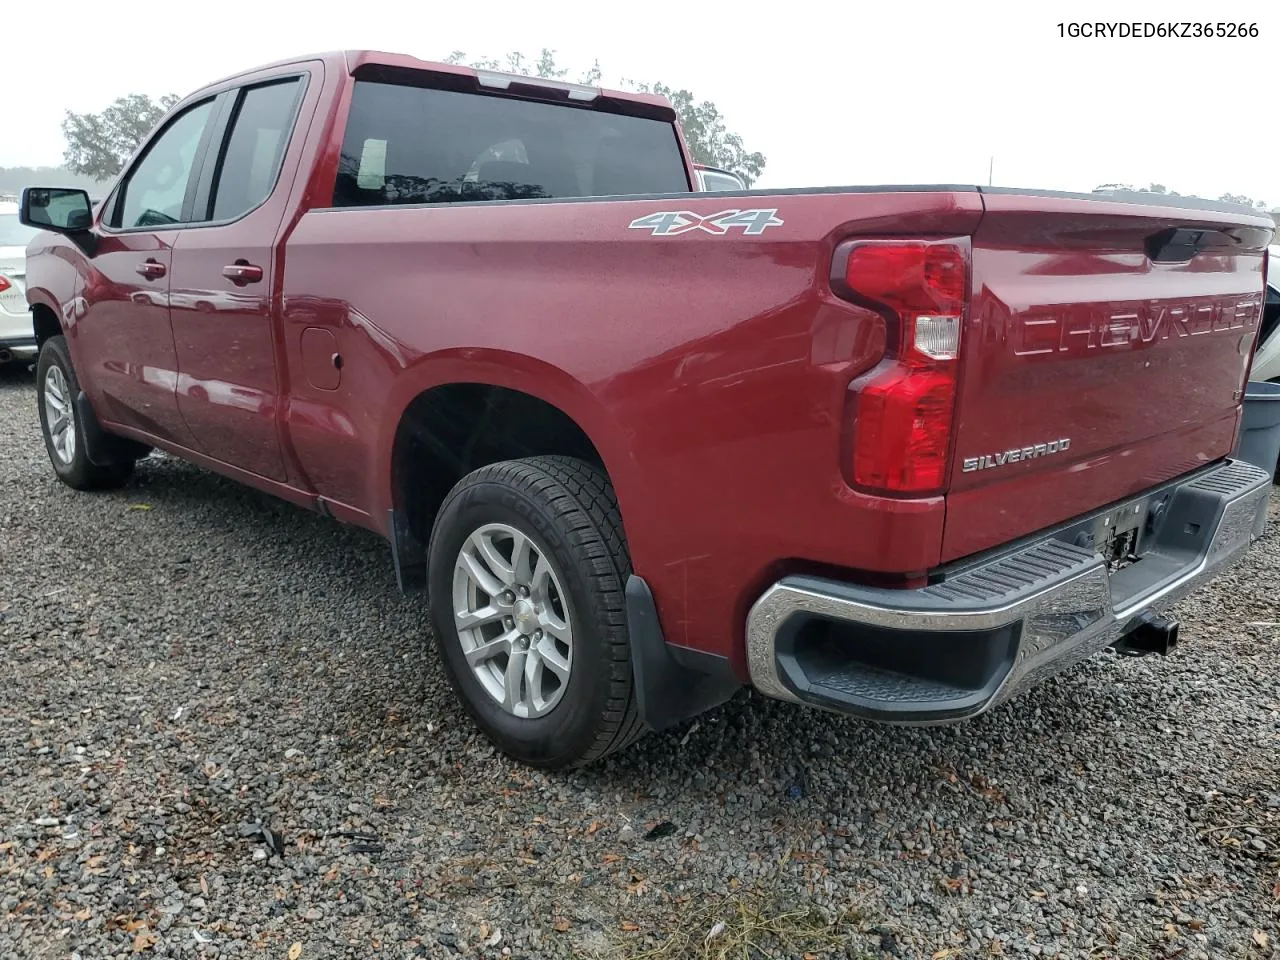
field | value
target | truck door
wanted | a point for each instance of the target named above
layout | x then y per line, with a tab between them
223	279
123	337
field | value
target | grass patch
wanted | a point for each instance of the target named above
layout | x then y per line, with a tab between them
752	926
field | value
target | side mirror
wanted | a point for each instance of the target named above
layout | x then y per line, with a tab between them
59	209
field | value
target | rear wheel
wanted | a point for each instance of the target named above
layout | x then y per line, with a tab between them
526	574
56	392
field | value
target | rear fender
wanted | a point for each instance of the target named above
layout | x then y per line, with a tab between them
536	378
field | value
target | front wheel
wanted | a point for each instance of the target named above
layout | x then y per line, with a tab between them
56	392
527	568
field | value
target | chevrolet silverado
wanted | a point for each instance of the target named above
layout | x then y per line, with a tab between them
897	452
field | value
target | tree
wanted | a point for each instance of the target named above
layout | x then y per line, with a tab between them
1162	189
709	139
99	144
1241	198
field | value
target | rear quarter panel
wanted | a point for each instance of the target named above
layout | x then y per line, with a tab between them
711	371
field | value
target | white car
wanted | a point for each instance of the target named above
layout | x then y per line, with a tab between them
713	179
17	335
1266	361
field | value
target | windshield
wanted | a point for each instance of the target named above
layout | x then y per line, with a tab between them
12	233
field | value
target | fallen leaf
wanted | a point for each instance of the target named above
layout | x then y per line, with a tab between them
144	940
84	914
946	952
139	506
630	927
562	925
594	828
295	951
484	931
612	857
48	873
1196	924
1260	938
204	885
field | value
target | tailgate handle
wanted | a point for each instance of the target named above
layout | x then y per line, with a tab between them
1180	244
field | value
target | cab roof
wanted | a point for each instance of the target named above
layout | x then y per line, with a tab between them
381	63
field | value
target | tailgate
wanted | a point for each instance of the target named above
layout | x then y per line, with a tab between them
1105	352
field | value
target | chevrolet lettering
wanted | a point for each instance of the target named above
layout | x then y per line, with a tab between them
1142	324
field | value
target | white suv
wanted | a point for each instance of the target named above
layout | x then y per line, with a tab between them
17	335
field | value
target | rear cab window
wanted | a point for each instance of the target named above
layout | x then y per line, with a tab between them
413	144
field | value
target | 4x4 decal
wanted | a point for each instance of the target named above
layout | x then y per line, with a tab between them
672	223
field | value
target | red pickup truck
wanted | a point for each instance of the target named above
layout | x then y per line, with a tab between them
897	452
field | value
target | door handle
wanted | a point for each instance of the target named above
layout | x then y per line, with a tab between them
151	269
242	272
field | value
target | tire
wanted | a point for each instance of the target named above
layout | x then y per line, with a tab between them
569	513
56	383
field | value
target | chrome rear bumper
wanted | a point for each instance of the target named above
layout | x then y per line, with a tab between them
991	629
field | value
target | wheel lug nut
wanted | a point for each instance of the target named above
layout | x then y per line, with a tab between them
508	597
508	622
537	634
524	591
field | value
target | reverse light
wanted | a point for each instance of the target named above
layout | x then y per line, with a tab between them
904	410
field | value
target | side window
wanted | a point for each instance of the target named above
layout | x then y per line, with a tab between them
259	135
154	191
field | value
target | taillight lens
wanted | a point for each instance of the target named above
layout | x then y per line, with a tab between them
4	283
903	412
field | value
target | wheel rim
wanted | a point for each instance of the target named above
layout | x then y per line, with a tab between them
513	620
59	418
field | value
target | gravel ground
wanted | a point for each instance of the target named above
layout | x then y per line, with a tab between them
187	660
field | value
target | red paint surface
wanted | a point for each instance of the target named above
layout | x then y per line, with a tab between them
711	372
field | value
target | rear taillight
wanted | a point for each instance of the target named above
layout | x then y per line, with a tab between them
4	283
903	411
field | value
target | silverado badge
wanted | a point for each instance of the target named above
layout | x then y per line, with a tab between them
1015	455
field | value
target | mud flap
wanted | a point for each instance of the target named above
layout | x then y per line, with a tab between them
407	553
104	449
673	684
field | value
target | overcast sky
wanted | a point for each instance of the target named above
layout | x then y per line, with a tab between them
832	93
